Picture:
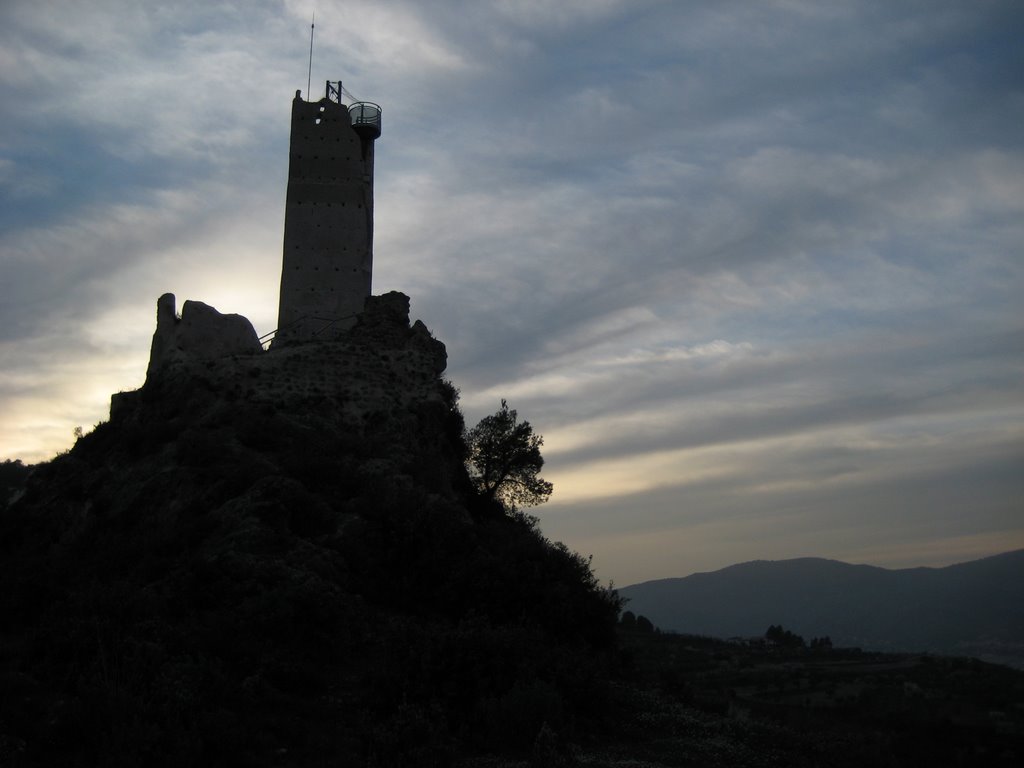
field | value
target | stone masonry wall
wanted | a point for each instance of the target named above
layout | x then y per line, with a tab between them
201	333
379	365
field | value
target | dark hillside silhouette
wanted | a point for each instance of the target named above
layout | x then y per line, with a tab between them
242	567
280	559
217	577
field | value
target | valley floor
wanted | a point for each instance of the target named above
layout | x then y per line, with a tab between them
691	701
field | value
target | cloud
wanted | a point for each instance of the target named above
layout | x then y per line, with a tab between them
751	268
849	494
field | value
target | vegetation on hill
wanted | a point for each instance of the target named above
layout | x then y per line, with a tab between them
261	563
685	700
211	580
504	460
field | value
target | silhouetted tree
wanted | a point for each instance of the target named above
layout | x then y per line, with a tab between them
821	643
504	460
783	637
628	620
644	624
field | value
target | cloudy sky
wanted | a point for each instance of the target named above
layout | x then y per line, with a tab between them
755	270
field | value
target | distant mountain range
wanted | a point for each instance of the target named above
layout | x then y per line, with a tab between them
972	609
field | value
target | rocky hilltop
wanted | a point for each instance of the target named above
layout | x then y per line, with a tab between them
379	385
277	558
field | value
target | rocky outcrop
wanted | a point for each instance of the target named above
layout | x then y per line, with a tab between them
379	382
384	323
201	333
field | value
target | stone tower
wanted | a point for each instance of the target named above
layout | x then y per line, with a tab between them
328	222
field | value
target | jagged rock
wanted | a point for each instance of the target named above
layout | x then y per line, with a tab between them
384	322
201	333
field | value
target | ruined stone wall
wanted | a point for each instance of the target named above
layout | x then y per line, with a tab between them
380	365
200	334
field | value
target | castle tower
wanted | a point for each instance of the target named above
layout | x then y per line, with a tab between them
328	222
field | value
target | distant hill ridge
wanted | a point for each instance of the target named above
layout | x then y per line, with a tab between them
974	608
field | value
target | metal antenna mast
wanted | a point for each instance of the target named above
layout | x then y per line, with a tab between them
309	76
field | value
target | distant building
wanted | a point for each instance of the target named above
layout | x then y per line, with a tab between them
328	227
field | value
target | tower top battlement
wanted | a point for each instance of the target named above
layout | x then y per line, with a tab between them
364	116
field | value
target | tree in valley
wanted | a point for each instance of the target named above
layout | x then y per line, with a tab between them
783	638
504	460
